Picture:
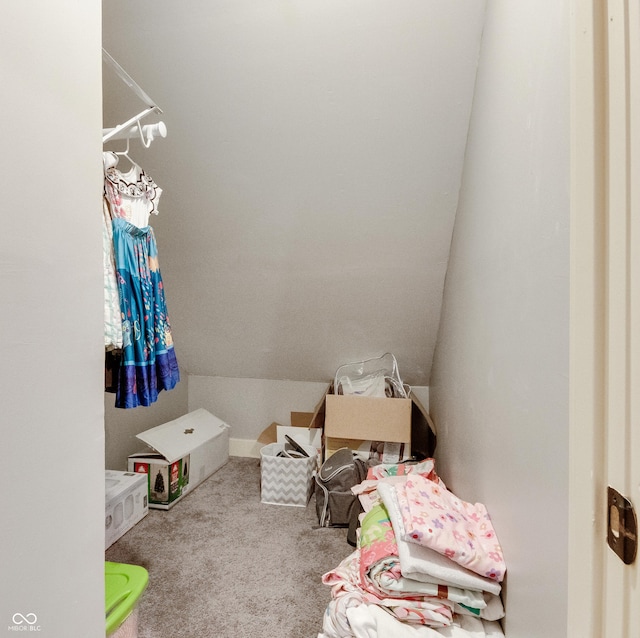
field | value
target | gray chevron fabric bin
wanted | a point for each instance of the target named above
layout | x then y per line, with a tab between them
283	480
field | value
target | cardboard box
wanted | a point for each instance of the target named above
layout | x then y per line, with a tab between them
303	436
283	480
349	418
183	453
301	419
299	430
383	451
126	503
367	418
298	420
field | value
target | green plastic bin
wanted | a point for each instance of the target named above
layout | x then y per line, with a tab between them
124	585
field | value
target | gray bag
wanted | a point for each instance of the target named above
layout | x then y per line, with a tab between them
335	502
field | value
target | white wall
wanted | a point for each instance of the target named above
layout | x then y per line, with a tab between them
499	391
250	405
269	152
310	174
51	410
122	425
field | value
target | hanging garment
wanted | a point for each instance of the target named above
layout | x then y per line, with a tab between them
112	359
112	318
148	364
132	195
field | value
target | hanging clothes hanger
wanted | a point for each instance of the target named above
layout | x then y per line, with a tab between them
126	155
147	143
111	158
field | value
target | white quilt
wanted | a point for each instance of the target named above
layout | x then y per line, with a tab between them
371	621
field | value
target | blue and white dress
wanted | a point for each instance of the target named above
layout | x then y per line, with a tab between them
148	364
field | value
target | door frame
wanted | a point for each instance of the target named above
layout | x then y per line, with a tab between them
605	304
587	476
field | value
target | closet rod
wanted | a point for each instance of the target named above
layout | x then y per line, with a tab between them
149	132
121	127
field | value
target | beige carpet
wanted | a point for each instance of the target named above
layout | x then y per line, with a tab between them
223	565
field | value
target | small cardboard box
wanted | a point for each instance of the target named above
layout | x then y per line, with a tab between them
349	418
183	453
126	503
301	435
283	480
299	430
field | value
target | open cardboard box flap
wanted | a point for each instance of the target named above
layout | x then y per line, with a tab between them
298	420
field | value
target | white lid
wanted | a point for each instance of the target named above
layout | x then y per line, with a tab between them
179	437
116	481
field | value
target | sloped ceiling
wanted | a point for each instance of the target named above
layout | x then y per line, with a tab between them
310	173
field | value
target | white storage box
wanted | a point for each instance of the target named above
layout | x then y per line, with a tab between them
183	453
126	503
286	481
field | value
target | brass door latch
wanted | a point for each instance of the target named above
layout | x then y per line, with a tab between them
622	526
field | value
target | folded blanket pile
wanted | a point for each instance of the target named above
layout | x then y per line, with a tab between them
427	563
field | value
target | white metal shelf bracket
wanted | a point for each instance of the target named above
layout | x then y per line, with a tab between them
151	106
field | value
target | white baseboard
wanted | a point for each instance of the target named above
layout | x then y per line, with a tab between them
244	447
